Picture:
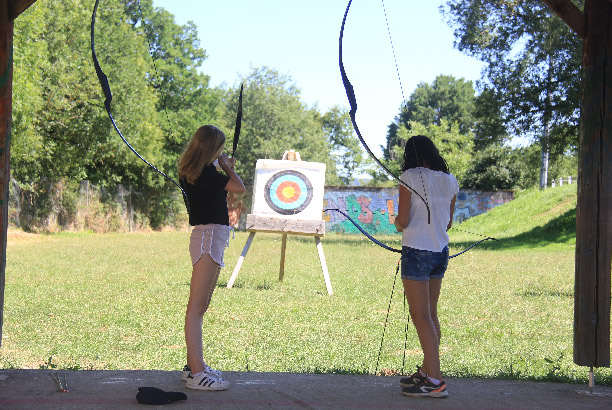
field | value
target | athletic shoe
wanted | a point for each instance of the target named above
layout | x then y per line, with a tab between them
414	378
425	388
206	381
187	371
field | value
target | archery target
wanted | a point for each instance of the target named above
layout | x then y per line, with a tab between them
288	192
289	189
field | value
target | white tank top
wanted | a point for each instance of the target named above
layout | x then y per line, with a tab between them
438	189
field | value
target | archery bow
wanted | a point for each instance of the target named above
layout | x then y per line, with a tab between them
350	93
108	99
238	121
387	247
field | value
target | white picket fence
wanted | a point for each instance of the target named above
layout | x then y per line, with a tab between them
561	181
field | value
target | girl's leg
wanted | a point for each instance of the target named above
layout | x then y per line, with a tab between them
434	294
203	281
417	293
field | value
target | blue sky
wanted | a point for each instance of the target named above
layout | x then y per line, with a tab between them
300	39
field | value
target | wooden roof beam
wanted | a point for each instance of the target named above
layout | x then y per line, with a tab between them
570	14
16	7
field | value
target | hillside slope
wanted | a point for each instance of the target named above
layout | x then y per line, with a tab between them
535	218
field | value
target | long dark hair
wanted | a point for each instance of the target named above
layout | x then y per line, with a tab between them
419	150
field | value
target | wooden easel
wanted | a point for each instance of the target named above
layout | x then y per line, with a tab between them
284	227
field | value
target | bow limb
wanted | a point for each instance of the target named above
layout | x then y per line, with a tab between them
238	121
350	93
387	247
465	250
370	237
109	97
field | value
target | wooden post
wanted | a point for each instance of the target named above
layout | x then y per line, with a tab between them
594	210
281	272
6	85
245	250
9	10
328	284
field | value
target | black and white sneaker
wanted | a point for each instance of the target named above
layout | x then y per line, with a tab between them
414	378
187	371
425	388
206	381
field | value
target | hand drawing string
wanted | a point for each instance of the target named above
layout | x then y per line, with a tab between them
109	97
350	93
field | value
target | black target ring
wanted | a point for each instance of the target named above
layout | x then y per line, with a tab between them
288	192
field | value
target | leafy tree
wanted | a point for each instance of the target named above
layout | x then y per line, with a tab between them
30	63
184	99
493	168
489	126
454	146
346	152
275	120
534	63
446	99
69	135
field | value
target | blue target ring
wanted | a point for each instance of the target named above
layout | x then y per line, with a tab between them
288	192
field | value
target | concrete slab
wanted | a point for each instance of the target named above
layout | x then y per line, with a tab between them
36	389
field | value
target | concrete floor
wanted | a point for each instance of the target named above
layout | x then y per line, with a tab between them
36	389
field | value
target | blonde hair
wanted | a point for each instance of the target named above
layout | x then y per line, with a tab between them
203	148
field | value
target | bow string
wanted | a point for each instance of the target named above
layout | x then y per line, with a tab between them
350	93
108	99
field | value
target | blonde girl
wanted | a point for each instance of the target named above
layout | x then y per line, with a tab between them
206	190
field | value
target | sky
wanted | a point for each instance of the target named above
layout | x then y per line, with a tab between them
299	39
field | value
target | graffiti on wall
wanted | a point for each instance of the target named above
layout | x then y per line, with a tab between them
375	208
472	203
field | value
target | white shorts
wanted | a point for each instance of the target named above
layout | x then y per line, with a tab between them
209	239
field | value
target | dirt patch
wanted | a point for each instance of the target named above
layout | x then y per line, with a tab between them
18	234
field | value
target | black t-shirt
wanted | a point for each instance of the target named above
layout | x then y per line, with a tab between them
207	198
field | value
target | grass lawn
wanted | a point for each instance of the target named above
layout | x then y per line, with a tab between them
117	301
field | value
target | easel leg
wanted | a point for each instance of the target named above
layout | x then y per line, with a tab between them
281	272
323	265
247	245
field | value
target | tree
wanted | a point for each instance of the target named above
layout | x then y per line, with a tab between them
446	99
346	152
493	168
63	134
454	146
534	63
489	126
275	120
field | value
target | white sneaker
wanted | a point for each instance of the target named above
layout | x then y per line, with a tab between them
206	381
187	371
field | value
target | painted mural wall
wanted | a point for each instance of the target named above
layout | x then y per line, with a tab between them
375	208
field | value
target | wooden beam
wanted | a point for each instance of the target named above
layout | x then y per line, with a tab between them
594	210
570	14
6	92
16	7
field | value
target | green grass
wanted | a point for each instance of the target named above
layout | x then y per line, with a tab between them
116	301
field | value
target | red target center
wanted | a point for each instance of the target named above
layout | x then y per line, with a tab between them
288	192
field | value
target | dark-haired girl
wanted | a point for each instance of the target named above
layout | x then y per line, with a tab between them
425	253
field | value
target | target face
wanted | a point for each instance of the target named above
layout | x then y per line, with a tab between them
288	192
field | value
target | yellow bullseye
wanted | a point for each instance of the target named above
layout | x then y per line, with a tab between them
288	192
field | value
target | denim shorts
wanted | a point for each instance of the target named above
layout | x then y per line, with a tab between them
418	264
